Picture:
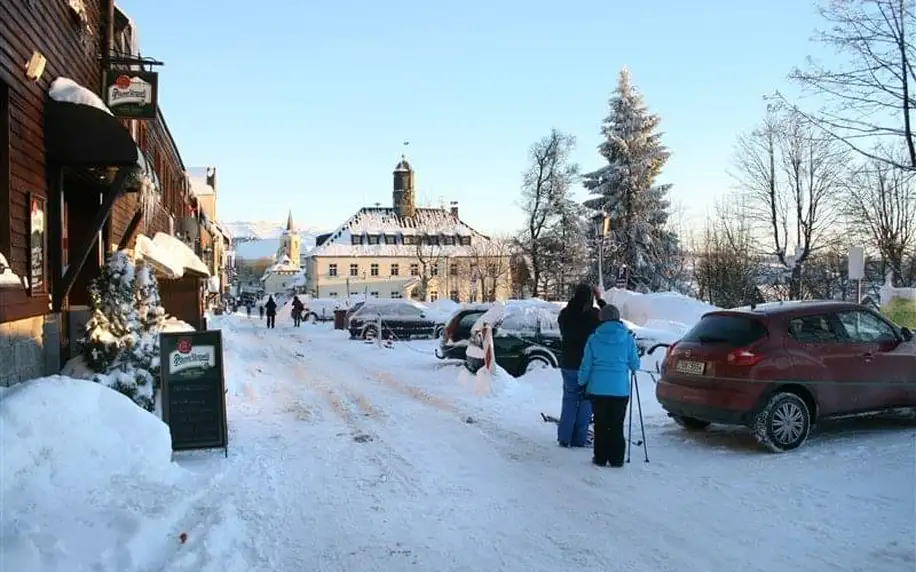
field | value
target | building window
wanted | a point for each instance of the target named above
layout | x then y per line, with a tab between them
373	269
396	294
395	270
391	239
465	240
474	272
434	269
354	270
448	240
410	239
356	239
433	239
433	296
332	295
454	296
373	239
453	269
332	270
373	294
414	269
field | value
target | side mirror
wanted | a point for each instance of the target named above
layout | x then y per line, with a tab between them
907	334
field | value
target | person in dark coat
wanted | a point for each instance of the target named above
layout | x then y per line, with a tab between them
298	308
270	307
577	321
611	358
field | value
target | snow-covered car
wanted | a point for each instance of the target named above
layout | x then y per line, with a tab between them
526	336
454	340
398	319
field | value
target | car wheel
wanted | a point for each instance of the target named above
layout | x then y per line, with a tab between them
370	333
690	423
537	363
440	330
784	424
313	318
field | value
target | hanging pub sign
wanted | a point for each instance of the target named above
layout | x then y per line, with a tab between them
37	219
132	94
194	389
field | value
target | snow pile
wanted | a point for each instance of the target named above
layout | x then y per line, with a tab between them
174	325
65	90
81	467
669	310
8	278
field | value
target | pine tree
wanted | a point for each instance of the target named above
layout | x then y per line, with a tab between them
121	340
626	190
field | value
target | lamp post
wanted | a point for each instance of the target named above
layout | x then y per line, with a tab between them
602	225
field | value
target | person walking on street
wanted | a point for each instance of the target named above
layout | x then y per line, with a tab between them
610	360
248	307
271	309
577	321
261	311
298	307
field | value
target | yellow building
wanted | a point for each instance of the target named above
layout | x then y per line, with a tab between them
407	251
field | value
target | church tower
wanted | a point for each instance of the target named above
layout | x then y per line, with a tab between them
290	242
404	194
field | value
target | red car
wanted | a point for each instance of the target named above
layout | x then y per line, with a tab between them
778	368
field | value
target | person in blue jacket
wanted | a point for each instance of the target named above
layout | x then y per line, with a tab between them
610	359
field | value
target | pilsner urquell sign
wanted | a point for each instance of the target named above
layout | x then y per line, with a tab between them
132	94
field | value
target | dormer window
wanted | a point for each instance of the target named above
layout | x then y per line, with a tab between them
410	239
449	240
373	239
391	239
465	240
434	239
356	239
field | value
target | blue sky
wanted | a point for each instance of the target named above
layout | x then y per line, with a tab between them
304	104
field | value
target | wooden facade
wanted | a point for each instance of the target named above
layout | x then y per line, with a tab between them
72	43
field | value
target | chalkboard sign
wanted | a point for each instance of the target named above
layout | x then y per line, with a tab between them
194	389
37	220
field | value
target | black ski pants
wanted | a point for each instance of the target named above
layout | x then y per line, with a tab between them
271	320
610	445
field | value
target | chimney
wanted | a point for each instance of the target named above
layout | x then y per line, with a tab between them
454	208
211	177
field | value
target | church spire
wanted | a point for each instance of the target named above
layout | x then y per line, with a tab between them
290	227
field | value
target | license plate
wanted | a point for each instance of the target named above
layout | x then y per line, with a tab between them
691	367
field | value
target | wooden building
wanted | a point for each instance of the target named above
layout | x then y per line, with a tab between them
76	180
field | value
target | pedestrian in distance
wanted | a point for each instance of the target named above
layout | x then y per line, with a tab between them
248	308
270	308
577	322
261	311
610	360
298	307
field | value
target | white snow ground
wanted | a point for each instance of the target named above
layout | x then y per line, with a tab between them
349	457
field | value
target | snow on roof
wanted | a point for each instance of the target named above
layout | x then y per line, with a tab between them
378	221
160	259
181	252
65	90
198	179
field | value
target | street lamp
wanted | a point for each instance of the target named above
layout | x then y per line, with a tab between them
602	226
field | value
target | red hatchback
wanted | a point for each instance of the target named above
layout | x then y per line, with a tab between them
777	368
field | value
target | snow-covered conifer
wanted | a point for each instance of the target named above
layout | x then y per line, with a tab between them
626	188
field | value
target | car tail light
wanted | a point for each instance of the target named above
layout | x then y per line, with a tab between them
744	357
452	326
669	351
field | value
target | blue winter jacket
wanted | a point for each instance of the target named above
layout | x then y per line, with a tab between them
610	357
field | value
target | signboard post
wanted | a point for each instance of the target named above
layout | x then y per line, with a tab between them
857	269
194	390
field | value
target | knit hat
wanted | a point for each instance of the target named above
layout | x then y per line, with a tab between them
609	313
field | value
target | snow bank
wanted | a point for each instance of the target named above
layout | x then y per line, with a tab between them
65	90
173	324
159	258
8	278
661	310
83	468
180	253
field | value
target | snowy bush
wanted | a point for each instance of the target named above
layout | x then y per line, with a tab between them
121	340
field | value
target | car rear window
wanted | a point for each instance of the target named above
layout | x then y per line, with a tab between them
733	331
467	321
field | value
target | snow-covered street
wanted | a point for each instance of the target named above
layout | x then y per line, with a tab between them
348	456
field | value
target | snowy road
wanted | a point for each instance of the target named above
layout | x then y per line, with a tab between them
345	456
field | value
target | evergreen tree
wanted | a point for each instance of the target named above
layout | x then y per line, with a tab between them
121	339
626	190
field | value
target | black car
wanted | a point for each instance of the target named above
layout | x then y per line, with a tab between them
454	340
526	337
399	319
